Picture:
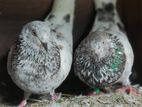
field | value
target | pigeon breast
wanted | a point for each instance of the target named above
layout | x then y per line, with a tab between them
99	59
33	68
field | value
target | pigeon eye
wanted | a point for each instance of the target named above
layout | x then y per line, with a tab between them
34	32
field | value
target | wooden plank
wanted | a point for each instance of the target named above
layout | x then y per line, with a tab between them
24	9
84	16
141	15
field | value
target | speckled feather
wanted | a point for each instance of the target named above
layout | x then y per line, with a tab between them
105	56
100	69
31	66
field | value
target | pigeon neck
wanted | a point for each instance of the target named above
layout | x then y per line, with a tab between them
63	10
107	5
106	10
107	16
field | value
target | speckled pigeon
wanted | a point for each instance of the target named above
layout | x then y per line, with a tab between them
41	58
105	57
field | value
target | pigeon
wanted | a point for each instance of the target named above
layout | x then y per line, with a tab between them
41	58
105	57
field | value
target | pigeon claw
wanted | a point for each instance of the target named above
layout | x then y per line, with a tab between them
22	103
129	90
55	96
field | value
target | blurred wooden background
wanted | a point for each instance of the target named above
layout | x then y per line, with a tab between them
15	13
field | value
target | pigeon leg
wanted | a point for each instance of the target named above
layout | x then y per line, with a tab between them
126	85
55	96
94	93
129	90
24	101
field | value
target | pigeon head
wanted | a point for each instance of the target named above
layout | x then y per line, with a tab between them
37	29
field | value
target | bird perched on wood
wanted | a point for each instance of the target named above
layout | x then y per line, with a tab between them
41	58
105	57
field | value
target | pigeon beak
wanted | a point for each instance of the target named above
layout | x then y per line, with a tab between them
44	45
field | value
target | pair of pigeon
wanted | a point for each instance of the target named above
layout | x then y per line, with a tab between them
41	58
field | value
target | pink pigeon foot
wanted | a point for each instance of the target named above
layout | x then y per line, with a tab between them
23	103
55	96
129	90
